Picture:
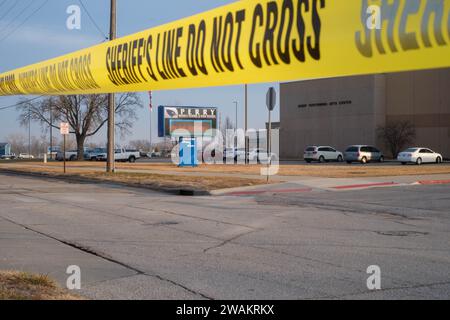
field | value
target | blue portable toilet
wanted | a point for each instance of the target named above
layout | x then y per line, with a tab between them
188	152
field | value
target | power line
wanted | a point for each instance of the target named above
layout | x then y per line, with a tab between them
93	21
24	21
13	20
9	10
20	103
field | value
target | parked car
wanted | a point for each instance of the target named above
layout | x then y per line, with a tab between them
257	155
260	156
154	155
322	154
71	155
121	155
25	156
419	156
8	157
233	154
92	155
363	154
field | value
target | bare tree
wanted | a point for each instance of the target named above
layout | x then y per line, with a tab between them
227	129
397	135
86	114
141	145
20	144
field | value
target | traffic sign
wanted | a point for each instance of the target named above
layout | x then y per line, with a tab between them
271	99
64	128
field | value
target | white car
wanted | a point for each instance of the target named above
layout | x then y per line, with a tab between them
71	155
25	156
233	155
260	156
419	156
121	155
322	154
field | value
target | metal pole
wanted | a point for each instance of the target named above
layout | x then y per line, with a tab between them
236	142
64	152
151	134
29	132
247	144
269	141
110	165
51	133
236	103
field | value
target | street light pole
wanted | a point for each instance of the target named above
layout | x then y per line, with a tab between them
110	166
236	103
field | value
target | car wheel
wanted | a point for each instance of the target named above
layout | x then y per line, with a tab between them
364	160
340	159
419	161
132	159
322	159
438	160
381	159
72	158
308	161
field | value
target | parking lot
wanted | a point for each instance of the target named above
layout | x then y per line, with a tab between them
138	244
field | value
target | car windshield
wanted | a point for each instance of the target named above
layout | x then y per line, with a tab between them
352	149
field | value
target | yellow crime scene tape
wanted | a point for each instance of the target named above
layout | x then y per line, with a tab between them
253	41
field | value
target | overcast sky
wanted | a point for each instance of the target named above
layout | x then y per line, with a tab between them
45	36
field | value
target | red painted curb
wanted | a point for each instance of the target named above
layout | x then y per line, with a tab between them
434	182
359	186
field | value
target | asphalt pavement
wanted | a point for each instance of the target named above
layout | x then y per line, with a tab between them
139	244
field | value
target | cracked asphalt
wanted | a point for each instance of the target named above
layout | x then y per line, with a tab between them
139	244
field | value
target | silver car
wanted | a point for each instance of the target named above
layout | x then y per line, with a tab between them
363	154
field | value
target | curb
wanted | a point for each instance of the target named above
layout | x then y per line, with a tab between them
433	182
368	185
70	178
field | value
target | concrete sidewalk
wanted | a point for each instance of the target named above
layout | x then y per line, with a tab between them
307	184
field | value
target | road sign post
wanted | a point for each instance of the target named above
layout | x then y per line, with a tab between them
64	132
271	98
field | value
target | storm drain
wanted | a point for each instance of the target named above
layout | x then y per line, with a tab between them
402	233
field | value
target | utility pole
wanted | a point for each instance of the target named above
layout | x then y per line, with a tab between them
29	131
151	133
110	165
247	142
51	132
